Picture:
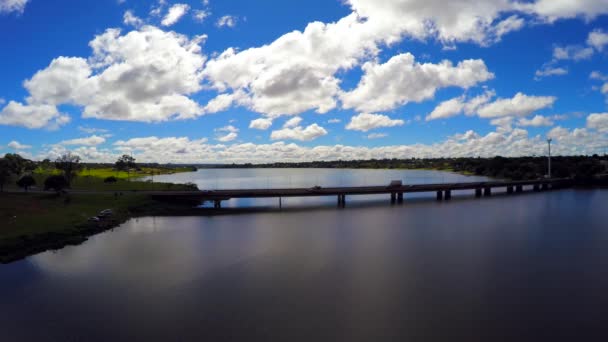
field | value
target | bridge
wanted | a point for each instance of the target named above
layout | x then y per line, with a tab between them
395	190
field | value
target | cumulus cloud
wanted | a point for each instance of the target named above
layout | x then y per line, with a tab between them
402	80
293	122
536	121
230	133
598	39
175	13
572	52
376	136
8	6
131	19
227	21
15	145
598	121
261	124
515	142
145	75
366	121
200	15
547	71
33	116
520	105
458	105
93	140
309	133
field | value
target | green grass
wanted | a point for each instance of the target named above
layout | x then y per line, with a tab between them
24	214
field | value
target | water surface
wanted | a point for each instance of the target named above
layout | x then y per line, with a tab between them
522	267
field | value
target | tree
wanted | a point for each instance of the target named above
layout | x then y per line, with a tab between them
56	183
70	165
26	182
17	164
45	165
125	163
110	180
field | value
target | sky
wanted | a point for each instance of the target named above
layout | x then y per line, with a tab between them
235	81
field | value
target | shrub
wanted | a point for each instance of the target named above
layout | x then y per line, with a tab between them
56	183
26	182
110	180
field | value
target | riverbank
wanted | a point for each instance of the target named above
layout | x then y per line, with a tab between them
37	222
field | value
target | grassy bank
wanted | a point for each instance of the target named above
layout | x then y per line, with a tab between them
37	222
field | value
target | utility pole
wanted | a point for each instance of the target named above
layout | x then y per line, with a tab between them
549	142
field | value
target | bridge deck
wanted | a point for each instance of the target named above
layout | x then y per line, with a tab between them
361	190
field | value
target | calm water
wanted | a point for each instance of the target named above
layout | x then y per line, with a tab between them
525	267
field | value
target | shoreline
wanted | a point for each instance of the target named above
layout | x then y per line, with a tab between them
23	246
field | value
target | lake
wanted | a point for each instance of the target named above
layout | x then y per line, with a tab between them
521	267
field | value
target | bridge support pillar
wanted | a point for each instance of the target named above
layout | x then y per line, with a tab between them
439	195
536	187
217	204
519	188
393	198
448	195
487	192
477	193
510	189
341	201
400	198
545	186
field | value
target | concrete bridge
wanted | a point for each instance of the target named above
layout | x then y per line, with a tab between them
395	190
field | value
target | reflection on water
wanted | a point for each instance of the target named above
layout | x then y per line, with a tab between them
525	267
213	179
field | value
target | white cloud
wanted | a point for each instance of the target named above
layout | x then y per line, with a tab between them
458	105
261	124
228	137
130	19
231	133
402	80
93	140
552	10
145	75
15	145
227	21
175	13
598	39
520	105
334	121
598	121
32	116
366	121
293	122
201	15
309	133
8	6
536	121
376	136
572	52
550	71
515	142
219	103
92	130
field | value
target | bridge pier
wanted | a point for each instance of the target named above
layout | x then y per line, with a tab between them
478	192
439	195
400	198
341	201
509	189
487	192
217	204
545	186
519	188
448	195
393	198
536	187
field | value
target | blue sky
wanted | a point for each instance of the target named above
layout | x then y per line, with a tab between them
249	81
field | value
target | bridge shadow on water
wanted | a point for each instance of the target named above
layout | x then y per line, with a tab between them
364	202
